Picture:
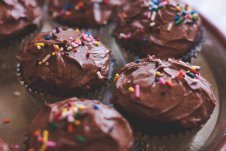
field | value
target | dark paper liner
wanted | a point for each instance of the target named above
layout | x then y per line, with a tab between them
50	98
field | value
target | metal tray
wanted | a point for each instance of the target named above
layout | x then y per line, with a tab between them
20	107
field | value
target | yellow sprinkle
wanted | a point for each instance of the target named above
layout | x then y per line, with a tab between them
56	47
131	89
116	76
97	43
158	74
53	53
40	44
64	110
77	122
81	107
77	31
39	62
45	135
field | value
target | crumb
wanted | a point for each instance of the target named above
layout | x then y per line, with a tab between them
16	93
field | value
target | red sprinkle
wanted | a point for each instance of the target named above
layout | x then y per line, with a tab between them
6	121
70	128
180	74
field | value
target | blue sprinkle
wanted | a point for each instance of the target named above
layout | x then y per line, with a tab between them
155	2
47	37
194	12
154	8
96	107
68	5
176	17
137	61
184	13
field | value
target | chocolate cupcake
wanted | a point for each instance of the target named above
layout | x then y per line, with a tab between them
79	124
84	13
167	93
64	62
17	19
8	147
159	27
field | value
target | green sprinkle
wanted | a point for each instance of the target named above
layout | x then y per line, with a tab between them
180	20
191	75
53	126
80	138
77	115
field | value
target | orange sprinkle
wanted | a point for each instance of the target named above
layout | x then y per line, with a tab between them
68	13
180	74
169	83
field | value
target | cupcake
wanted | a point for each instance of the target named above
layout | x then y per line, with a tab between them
79	124
18	18
159	27
8	147
84	13
63	63
166	93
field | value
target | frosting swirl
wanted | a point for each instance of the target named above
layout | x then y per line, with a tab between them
162	28
18	17
84	13
64	62
165	92
79	124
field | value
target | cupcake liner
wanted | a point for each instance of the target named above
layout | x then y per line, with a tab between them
173	142
92	94
192	54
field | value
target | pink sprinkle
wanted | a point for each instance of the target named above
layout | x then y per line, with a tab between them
70	118
84	36
162	81
163	3
40	139
137	90
197	76
51	144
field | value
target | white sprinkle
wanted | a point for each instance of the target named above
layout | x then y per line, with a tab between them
153	16
47	63
22	82
100	75
39	47
46	58
74	45
16	93
152	24
69	48
70	38
61	49
170	25
122	35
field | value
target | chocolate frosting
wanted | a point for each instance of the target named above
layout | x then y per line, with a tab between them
64	62
84	13
8	147
164	92
79	124
18	17
173	31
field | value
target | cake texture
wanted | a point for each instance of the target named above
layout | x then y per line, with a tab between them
79	124
64	62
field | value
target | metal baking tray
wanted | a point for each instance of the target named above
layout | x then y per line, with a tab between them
19	106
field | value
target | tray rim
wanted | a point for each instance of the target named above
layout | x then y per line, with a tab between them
218	137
